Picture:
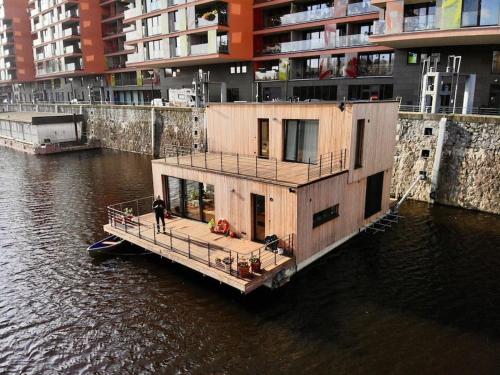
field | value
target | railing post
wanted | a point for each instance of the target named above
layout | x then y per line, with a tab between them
189	247
237	261
309	169
154	233
238	163
320	164
345	155
205	160
137	207
171	247
139	225
208	252
275	254
331	162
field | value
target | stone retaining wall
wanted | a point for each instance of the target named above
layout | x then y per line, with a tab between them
469	175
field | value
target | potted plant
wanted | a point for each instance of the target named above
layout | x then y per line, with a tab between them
218	262
243	269
255	264
128	215
211	225
210	16
227	263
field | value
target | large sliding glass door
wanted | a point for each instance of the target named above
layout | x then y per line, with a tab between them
301	140
190	199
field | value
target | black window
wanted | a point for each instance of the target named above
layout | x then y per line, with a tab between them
360	135
373	198
325	215
315	92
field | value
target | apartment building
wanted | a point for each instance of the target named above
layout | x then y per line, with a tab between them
319	50
67	49
16	56
171	40
424	29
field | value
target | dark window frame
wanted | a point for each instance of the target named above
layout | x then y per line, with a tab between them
326	215
360	138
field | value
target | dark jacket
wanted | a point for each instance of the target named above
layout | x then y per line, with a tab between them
159	206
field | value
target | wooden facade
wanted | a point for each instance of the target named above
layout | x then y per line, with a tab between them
289	208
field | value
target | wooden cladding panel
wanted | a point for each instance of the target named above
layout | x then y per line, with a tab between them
233	199
379	138
232	127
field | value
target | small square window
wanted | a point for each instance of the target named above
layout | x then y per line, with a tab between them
238	69
428	131
425	153
244	69
233	70
412	58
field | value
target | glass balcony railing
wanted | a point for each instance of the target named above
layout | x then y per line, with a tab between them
419	23
361	8
199	49
266	75
306	16
379	27
305	45
345	41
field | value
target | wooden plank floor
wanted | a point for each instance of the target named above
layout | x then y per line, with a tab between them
266	169
196	255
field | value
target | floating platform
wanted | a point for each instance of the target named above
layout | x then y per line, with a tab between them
190	243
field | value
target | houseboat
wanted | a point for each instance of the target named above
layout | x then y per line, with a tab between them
43	132
275	187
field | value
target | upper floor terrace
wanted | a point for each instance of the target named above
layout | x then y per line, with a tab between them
428	23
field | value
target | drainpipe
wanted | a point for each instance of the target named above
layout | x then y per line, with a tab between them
153	131
437	159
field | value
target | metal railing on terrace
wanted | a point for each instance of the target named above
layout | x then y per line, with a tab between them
132	217
258	167
450	110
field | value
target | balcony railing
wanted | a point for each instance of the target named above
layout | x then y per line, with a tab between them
306	16
199	49
266	75
419	23
252	166
345	41
361	8
136	218
379	27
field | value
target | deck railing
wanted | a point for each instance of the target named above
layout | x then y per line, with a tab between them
254	166
128	217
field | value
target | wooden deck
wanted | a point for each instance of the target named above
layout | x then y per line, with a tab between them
261	169
191	244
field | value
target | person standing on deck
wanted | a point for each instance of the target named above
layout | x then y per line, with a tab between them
159	207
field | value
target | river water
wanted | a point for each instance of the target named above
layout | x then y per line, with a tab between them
423	298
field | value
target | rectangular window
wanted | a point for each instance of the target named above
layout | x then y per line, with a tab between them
373	197
315	92
360	135
495	67
191	199
301	140
325	216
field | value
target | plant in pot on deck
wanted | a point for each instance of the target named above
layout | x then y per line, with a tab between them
255	264
227	263
243	269
211	225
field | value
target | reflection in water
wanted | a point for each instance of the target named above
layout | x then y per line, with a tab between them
423	298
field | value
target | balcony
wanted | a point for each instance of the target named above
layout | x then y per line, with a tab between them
306	16
361	8
419	23
199	49
190	243
305	45
346	41
266	75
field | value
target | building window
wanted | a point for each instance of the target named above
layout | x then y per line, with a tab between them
315	92
366	92
360	135
373	197
412	58
495	68
379	64
301	140
480	12
238	69
325	215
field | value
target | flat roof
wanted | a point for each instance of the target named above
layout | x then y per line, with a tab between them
319	102
38	118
